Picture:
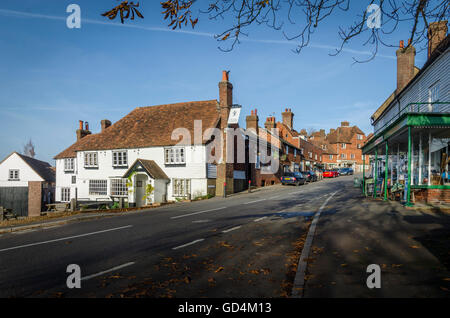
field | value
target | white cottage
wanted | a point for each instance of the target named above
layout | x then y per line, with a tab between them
143	149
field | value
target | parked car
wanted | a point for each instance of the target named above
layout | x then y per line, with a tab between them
336	172
310	176
328	174
345	171
295	178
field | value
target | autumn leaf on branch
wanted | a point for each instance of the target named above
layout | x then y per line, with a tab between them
125	9
179	13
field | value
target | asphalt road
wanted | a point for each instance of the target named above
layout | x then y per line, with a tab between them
141	245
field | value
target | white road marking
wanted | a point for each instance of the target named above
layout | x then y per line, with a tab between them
275	197
255	201
200	221
195	213
23	232
232	229
64	238
260	219
299	281
187	244
108	271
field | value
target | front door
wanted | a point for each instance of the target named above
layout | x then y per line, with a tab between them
141	184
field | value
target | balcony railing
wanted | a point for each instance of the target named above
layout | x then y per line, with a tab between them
432	108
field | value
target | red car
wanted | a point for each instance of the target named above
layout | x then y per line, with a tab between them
330	174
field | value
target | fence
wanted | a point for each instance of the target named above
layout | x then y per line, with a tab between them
15	198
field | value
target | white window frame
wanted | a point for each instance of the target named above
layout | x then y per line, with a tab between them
343	156
14	175
359	137
118	187
295	152
310	154
175	156
69	164
120	158
98	187
344	146
331	157
91	160
181	187
315	156
65	194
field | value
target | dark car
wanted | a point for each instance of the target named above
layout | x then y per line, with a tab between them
345	171
295	178
310	176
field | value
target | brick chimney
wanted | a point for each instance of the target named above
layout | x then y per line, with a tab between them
437	31
345	124
405	65
288	118
225	170
252	121
105	123
81	133
270	123
225	98
332	130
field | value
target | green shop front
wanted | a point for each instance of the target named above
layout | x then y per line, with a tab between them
409	155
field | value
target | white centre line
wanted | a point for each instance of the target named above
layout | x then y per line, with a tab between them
260	219
195	213
232	229
299	280
108	271
64	238
187	244
255	201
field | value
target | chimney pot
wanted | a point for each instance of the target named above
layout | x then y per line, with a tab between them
87	126
81	124
401	44
225	76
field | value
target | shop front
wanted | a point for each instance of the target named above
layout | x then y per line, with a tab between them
409	156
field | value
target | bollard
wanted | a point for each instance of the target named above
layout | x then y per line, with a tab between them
224	189
249	186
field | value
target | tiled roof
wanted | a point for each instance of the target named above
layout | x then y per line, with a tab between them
343	134
42	168
151	167
148	127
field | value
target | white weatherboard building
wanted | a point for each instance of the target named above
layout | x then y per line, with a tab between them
141	150
16	170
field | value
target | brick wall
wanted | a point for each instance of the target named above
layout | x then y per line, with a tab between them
34	198
432	195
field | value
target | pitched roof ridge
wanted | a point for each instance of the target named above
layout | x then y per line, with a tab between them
175	104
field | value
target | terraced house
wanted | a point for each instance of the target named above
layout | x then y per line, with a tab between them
140	159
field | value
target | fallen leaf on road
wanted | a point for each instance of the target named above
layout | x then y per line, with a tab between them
343	265
355	251
219	269
446	279
444	289
397	265
414	246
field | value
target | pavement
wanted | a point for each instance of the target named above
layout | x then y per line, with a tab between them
411	247
246	245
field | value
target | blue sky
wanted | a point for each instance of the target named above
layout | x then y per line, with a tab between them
52	76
